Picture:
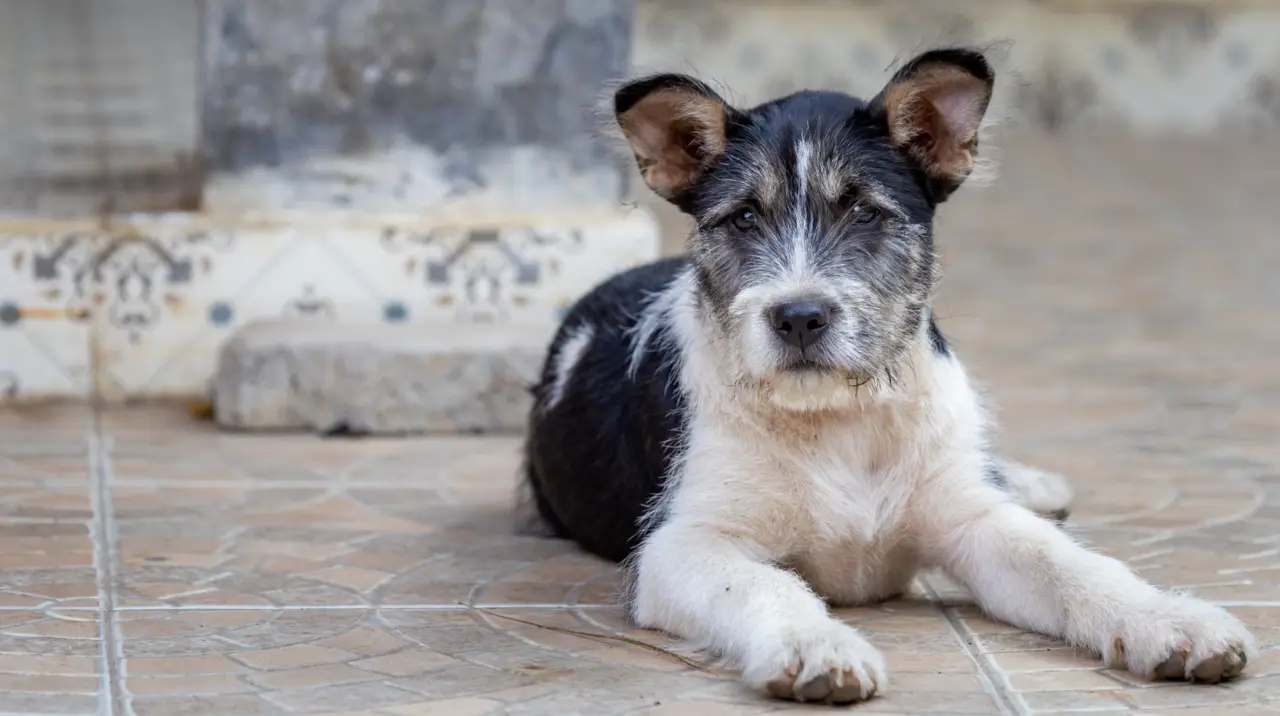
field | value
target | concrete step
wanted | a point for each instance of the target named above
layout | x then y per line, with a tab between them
377	379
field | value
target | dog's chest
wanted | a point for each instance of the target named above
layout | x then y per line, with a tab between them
853	534
847	485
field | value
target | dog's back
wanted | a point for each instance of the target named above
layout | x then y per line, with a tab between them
606	419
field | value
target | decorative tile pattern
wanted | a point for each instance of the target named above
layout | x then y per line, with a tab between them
45	339
139	309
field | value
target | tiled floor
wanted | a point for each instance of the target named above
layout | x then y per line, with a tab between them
1119	301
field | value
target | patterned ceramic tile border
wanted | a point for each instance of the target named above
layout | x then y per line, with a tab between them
138	309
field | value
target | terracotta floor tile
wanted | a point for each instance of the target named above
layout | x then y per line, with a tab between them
205	705
296	656
1082	680
404	663
46	550
447	707
46	684
63	703
193	685
311	676
258	546
49	665
183	665
49	635
44	465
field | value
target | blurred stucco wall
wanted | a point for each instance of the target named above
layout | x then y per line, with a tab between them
1065	66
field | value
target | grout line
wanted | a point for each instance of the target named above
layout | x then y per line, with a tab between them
104	562
317	607
432	607
247	484
1007	697
993	678
350	607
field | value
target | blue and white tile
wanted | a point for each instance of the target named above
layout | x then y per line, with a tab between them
502	269
178	291
173	289
46	290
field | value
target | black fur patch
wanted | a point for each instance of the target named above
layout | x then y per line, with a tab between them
602	453
995	475
936	339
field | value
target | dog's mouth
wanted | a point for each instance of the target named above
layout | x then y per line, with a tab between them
803	366
806	365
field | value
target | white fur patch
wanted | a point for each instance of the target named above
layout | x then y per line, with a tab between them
571	351
657	311
798	258
1039	491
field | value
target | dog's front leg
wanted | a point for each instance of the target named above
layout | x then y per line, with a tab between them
724	595
1025	571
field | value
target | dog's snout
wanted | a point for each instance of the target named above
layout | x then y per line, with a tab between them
800	323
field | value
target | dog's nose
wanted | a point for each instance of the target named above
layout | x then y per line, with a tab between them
801	322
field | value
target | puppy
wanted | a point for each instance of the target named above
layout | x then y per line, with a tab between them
775	423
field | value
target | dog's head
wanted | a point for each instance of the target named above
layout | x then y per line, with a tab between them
814	212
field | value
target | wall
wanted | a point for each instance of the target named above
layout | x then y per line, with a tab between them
423	163
1065	67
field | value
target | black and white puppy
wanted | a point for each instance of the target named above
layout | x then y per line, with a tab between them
775	424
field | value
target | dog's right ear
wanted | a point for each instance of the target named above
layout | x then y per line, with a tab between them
676	127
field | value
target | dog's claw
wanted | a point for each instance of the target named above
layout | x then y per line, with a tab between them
833	665
1216	668
1173	668
817	689
1220	667
782	687
848	690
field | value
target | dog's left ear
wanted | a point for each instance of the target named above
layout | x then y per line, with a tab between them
933	108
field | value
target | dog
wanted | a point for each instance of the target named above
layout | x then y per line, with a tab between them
774	424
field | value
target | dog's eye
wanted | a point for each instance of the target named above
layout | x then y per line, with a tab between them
743	220
866	215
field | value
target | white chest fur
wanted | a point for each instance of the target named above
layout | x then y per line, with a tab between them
827	496
830	492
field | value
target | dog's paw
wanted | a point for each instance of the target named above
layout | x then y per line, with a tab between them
1046	493
1184	639
826	662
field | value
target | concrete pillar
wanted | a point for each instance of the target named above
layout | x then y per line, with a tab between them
449	151
410	105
